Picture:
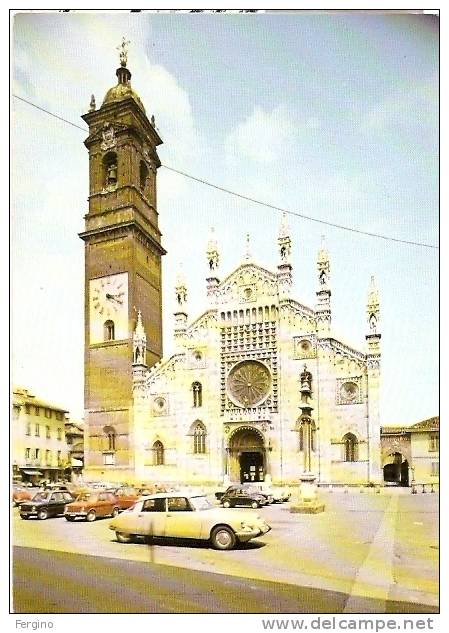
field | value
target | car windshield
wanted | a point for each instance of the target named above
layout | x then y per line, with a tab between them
85	496
200	503
41	496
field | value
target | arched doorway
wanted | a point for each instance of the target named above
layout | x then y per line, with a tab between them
396	470
247	457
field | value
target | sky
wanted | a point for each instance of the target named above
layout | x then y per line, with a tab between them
330	116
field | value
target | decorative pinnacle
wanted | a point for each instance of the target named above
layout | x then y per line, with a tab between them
123	48
247	252
323	255
139	331
284	228
92	106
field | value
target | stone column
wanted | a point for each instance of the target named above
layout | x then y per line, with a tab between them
307	501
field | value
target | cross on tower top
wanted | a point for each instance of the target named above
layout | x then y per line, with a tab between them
123	48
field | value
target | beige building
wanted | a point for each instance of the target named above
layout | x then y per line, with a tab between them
226	405
74	433
39	448
411	453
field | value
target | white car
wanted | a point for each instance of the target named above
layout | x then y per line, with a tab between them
182	515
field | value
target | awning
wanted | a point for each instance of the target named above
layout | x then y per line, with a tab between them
31	472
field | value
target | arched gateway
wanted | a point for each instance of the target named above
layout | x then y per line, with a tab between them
246	455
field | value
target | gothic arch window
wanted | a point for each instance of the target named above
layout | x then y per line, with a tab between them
110	169
350	448
109	330
110	435
199	438
158	450
197	390
143	175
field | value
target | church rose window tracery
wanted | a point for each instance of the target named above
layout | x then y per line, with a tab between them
249	383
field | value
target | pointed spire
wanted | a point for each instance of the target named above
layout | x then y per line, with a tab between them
139	342
180	290
139	331
284	240
372	307
323	308
247	249
284	229
212	254
323	264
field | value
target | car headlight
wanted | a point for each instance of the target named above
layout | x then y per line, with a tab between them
244	525
33	509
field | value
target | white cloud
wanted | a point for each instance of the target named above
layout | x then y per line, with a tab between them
414	108
262	137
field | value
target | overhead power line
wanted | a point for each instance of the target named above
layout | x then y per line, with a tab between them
249	198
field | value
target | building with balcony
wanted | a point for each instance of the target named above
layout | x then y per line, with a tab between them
39	448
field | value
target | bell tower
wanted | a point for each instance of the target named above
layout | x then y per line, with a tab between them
122	269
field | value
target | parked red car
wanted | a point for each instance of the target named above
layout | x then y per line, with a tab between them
21	493
92	504
126	496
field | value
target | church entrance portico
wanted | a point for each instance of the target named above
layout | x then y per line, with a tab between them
396	470
246	456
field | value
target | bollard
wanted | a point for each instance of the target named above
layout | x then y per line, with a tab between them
414	491
424	488
431	488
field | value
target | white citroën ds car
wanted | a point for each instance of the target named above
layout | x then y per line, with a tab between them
181	515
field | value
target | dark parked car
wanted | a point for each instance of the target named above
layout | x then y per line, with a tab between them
242	496
45	504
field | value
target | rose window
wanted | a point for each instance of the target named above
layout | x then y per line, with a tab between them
350	390
249	383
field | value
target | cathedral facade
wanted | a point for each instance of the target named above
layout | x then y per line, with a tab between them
226	406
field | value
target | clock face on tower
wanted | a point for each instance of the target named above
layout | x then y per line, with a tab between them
108	308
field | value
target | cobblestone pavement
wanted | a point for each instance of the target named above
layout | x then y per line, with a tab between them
382	547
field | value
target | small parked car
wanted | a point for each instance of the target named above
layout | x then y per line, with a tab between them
92	504
276	494
242	495
179	515
126	496
48	503
21	493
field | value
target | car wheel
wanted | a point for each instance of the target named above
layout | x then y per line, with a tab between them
123	538
91	515
115	511
42	514
222	537
254	504
69	518
226	504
